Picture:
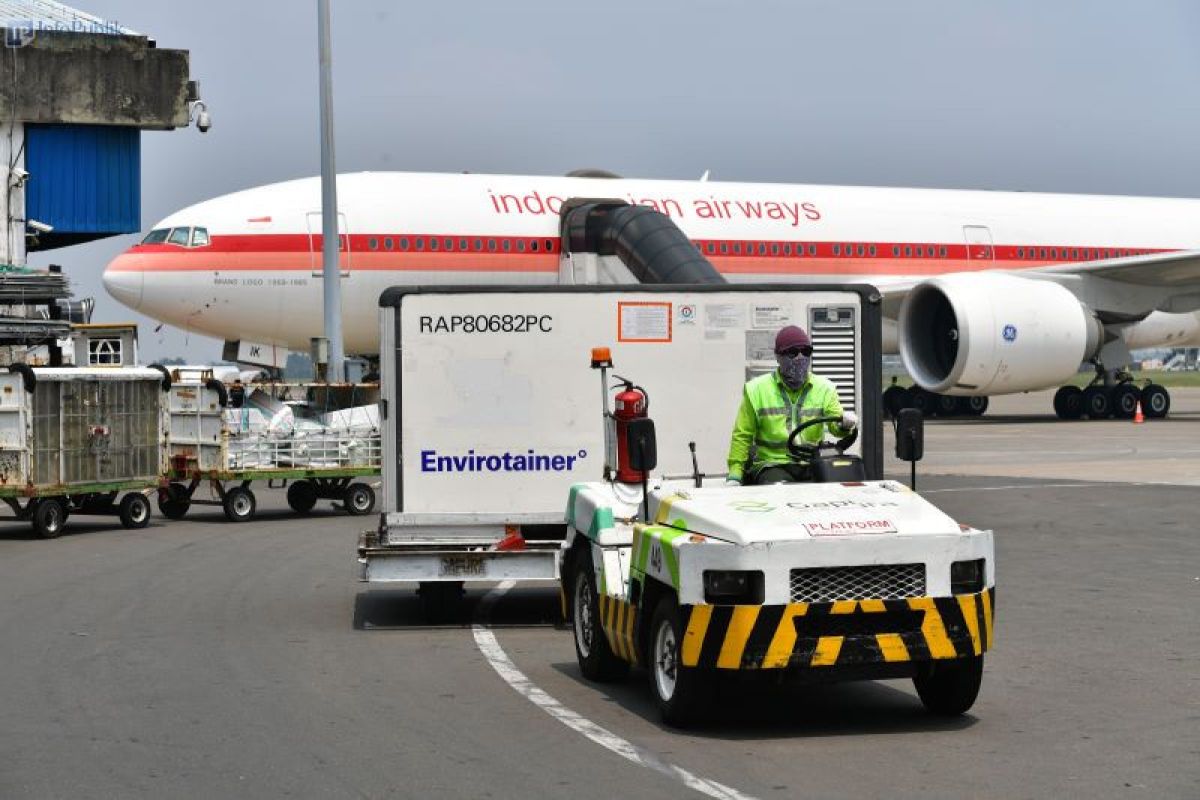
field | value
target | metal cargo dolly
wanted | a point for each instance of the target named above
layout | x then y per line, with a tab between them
207	447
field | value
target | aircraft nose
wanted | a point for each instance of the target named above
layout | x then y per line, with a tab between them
123	280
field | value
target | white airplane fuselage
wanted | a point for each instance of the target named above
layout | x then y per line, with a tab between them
249	266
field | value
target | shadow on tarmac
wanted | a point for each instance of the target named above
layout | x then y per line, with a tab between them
402	609
758	708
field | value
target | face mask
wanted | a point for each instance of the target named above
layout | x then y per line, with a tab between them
794	371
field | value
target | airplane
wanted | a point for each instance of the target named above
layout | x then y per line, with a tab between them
984	292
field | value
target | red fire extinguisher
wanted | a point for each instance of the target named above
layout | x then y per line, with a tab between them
631	403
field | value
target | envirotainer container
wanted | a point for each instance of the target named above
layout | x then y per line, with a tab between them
81	441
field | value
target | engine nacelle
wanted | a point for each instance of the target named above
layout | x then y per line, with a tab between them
994	333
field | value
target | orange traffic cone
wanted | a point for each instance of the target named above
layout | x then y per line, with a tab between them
1138	416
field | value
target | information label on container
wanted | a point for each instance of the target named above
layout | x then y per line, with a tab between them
644	322
772	316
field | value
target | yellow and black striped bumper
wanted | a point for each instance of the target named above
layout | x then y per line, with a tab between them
848	632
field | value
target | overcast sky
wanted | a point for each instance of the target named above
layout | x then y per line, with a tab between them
1097	97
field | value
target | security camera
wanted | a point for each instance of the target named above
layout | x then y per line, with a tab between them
203	120
38	227
17	177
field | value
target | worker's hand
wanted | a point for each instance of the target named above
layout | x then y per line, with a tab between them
849	420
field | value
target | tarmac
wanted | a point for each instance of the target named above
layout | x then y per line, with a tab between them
207	659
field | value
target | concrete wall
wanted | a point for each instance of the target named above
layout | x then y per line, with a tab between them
12	198
94	79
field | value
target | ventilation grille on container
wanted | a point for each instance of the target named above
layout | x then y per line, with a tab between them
834	332
881	582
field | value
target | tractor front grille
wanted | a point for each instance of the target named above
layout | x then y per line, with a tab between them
876	582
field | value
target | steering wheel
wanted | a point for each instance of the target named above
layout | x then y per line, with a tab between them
803	451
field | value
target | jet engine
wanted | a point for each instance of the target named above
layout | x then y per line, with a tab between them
994	333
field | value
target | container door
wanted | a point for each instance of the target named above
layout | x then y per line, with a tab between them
14	452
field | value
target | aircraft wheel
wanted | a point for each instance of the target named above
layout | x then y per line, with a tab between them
134	511
976	405
949	688
922	400
1124	398
1095	402
1068	402
1156	401
948	405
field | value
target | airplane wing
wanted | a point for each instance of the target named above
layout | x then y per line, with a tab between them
1176	270
1174	274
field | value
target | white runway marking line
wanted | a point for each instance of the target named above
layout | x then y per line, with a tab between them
486	641
1025	486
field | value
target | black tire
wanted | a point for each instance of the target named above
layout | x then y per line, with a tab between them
1123	400
975	406
239	504
922	400
49	517
596	659
895	398
441	601
949	688
302	496
359	499
1095	402
173	502
948	405
1068	402
1156	401
134	511
682	693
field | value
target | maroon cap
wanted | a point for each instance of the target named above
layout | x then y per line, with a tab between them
790	338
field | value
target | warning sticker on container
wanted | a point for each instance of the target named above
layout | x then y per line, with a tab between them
772	316
724	315
760	346
643	322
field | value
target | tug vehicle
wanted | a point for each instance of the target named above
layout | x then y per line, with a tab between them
840	578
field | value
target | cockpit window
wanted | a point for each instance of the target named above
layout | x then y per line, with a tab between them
180	236
156	236
199	237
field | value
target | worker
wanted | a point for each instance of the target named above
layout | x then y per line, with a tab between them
237	394
774	405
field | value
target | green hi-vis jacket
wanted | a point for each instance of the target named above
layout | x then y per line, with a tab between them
770	411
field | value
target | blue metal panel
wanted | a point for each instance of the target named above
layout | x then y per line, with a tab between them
84	179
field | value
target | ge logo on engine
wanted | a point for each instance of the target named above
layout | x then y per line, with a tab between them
1009	333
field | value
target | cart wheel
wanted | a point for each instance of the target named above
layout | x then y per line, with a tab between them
239	504
134	510
681	691
359	499
949	688
302	496
49	517
173	502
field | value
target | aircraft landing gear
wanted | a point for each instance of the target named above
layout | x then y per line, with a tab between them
897	398
1112	393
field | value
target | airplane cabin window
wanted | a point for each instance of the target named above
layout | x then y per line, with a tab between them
895	252
521	245
908	251
837	249
724	247
388	244
433	243
478	245
507	245
462	244
448	244
812	249
180	236
373	243
199	237
871	250
420	240
492	245
533	246
157	236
